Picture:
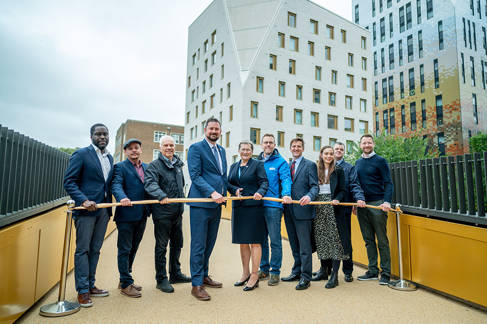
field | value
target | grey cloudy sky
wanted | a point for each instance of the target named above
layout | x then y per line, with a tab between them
65	65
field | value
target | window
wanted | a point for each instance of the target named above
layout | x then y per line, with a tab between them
403	118
332	99
375	63
227	139
272	62
194	59
382	60
401	61
411	82
350	145
332	122
402	24
280	139
315	119
363	105
330	31
350	59
429	9
281	40
364	63
212	101
349	124
377	129
203	87
260	84
472	70
294	43
344	35
192	95
316	143
474	36
420	43
401	84
384	90
410	48
463	67
159	134
213	58
255	135
363	42
211	81
196	112
350	81
311	48
440	35
203	107
392	121
333	77
298	116
374	34
464	33
475	112
441	143
412	112
363	127
391	56
254	109
222	49
189	81
202	128
373	8
230	113
313	26
292	66
316	96
390	82
155	154
418	11
221	95
376	94
382	30
356	15
409	18
328	53
332	141
364	84
483	73
318	73
348	102
439	110
279	112
421	78
213	37
385	120
282	89
391	26
291	19
299	92
423	112
222	72
229	88
436	73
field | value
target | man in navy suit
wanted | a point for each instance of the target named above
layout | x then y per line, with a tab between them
299	218
87	181
128	185
207	167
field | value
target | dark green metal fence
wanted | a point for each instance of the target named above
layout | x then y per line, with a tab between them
31	176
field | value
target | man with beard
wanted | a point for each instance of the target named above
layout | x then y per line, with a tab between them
87	181
207	166
164	179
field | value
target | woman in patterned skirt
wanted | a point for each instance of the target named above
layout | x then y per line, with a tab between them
331	179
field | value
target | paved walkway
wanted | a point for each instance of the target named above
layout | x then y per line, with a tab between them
356	302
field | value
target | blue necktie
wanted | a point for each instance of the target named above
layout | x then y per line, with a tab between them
217	158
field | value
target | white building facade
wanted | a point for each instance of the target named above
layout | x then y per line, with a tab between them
288	68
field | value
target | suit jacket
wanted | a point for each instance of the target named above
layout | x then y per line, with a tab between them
128	184
352	185
305	183
205	174
337	184
84	180
253	178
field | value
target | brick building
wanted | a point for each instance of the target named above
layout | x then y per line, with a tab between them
149	134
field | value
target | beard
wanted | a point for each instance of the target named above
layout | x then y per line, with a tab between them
213	137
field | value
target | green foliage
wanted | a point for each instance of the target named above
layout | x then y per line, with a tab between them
478	143
395	148
68	150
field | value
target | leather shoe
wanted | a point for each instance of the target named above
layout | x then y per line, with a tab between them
130	291
179	278
291	277
200	293
303	284
137	287
333	282
348	278
320	275
210	283
84	300
249	288
95	292
165	286
241	283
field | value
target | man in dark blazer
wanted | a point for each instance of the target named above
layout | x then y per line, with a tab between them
128	185
87	181
207	166
299	218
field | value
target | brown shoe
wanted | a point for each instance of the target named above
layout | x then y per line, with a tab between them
131	291
95	292
139	288
84	300
200	293
210	283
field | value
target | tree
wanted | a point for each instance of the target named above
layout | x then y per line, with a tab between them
395	148
68	150
478	143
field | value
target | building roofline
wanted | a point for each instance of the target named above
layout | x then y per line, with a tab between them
201	14
149	122
337	15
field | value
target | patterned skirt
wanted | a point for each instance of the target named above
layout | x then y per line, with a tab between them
328	243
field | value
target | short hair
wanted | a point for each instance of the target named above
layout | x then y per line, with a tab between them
212	120
246	143
92	129
339	143
268	135
366	135
297	139
165	137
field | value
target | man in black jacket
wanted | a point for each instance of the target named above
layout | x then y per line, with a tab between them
164	179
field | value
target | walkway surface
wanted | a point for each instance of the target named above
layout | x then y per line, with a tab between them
356	302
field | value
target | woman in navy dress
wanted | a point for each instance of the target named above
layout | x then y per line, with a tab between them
248	224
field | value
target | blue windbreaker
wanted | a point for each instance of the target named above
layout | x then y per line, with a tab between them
279	177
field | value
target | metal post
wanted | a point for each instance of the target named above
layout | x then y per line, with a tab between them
63	307
400	284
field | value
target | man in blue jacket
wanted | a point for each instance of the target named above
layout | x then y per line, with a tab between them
87	180
128	185
279	178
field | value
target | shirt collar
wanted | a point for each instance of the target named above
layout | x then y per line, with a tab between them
338	162
97	150
173	161
298	160
138	164
368	156
211	145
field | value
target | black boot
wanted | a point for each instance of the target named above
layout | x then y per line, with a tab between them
321	274
333	282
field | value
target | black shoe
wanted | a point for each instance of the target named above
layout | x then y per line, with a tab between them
165	286
249	288
368	276
384	280
320	275
348	278
179	278
291	277
241	283
303	284
333	282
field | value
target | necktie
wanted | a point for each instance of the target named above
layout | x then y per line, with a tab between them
217	158
293	167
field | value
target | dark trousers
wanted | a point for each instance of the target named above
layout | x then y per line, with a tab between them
129	237
299	235
204	230
373	223
168	230
90	233
344	224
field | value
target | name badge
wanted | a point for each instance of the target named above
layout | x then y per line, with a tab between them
272	169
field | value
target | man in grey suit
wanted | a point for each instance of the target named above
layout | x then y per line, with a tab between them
299	218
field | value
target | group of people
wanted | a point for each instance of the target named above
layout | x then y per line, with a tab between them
91	178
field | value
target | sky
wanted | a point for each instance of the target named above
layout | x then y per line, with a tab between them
65	65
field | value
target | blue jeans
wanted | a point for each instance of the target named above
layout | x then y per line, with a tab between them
273	217
90	233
